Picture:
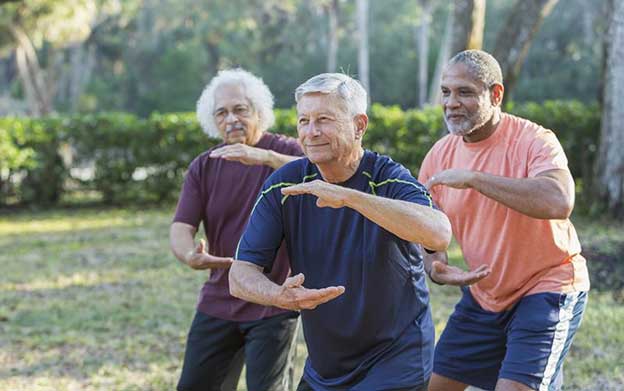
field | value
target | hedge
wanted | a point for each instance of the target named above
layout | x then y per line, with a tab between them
134	160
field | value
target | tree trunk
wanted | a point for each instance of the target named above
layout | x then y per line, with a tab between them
31	75
610	163
443	56
362	24
513	42
469	17
332	35
422	40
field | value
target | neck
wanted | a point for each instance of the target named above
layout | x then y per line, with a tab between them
486	130
343	169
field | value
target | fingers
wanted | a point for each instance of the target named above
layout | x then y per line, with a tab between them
294	281
312	298
201	247
302	188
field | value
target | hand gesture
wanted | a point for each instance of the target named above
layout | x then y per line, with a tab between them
329	195
451	275
454	177
199	259
241	153
293	296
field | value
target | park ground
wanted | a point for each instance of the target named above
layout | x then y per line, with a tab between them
92	299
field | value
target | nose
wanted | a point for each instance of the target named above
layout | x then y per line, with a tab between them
230	118
312	129
451	101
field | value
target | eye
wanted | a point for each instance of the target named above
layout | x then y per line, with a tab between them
303	121
241	110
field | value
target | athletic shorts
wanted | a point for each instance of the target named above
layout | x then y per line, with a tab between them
526	343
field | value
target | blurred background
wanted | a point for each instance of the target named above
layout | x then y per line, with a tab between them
97	128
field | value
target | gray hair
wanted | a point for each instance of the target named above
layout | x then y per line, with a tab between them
344	87
482	65
256	91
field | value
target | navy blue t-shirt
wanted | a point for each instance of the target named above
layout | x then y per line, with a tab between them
379	334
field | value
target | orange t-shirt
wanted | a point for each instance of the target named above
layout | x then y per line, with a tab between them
526	255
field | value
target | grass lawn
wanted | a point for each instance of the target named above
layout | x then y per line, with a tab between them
91	299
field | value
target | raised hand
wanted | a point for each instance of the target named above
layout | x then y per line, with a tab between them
199	259
329	195
455	177
293	296
242	153
451	275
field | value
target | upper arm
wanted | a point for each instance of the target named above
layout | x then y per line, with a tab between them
264	232
191	200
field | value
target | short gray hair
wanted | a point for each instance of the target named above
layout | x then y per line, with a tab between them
256	91
482	65
344	87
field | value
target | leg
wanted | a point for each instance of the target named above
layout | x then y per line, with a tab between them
304	386
267	345
211	346
471	348
538	339
441	383
230	383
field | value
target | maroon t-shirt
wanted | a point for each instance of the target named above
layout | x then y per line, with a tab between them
221	194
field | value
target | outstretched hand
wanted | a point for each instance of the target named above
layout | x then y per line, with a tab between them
294	296
199	259
329	195
242	153
455	177
451	275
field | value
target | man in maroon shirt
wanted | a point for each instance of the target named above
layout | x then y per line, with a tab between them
220	189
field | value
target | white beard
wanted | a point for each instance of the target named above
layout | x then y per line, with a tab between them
472	123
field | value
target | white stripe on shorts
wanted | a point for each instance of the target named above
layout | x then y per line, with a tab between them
566	312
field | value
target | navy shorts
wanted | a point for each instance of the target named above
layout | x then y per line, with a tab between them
526	343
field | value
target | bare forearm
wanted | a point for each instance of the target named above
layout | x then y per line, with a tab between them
412	222
276	160
181	240
248	282
429	258
540	197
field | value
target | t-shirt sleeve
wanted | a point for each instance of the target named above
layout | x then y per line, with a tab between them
264	232
403	186
190	203
545	153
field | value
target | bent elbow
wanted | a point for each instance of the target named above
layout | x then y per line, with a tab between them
233	283
562	210
442	235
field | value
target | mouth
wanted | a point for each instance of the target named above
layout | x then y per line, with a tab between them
316	145
455	117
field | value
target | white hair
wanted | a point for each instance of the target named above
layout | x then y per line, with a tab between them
256	91
344	87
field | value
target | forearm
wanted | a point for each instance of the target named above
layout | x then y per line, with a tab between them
409	221
276	160
249	283
541	197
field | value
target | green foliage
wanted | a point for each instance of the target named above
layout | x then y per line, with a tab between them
144	160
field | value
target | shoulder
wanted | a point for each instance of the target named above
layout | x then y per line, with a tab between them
528	132
283	144
292	172
385	168
199	163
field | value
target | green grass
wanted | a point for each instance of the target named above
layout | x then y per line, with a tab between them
91	299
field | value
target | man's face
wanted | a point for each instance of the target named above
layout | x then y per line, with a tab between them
466	101
326	130
234	115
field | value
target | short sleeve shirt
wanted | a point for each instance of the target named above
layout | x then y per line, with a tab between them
378	334
221	194
526	255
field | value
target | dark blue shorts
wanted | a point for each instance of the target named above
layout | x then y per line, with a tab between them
527	343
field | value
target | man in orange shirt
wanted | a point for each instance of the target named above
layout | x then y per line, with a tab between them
504	183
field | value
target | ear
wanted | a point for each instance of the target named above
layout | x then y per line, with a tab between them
497	91
361	124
